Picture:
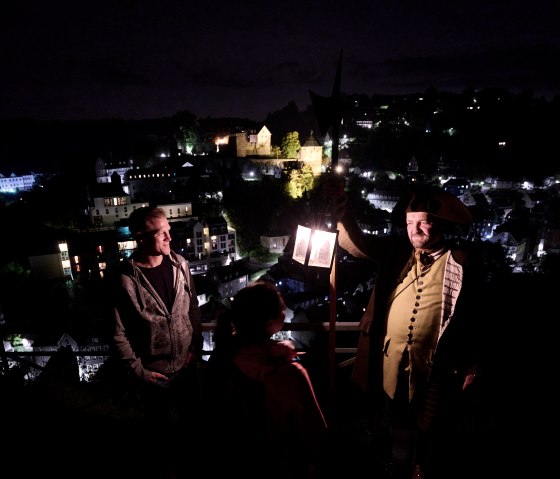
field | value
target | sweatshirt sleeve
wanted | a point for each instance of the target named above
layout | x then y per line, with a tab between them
195	316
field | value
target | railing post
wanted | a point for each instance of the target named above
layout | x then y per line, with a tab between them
3	354
332	335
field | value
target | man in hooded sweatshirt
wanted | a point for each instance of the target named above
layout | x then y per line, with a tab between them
157	334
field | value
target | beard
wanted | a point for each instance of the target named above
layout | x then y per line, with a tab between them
420	241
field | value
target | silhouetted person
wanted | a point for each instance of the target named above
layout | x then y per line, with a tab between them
264	411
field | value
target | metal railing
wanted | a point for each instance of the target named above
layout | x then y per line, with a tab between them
340	327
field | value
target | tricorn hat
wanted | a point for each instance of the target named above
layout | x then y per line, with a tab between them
436	202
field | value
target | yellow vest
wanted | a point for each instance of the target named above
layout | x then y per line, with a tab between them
413	324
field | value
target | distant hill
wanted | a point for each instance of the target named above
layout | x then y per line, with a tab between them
491	129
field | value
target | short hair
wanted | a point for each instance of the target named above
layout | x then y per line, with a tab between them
140	217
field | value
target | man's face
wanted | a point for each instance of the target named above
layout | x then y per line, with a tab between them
422	231
157	241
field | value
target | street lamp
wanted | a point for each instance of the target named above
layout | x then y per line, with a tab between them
314	247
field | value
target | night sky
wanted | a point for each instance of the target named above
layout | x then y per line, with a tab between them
130	59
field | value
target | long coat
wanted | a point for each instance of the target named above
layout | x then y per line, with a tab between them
460	347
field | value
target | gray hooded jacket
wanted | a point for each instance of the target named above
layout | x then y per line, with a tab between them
147	336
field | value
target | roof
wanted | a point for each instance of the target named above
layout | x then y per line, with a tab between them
311	141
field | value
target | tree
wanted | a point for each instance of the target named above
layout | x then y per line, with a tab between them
185	124
248	207
275	152
301	180
290	145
